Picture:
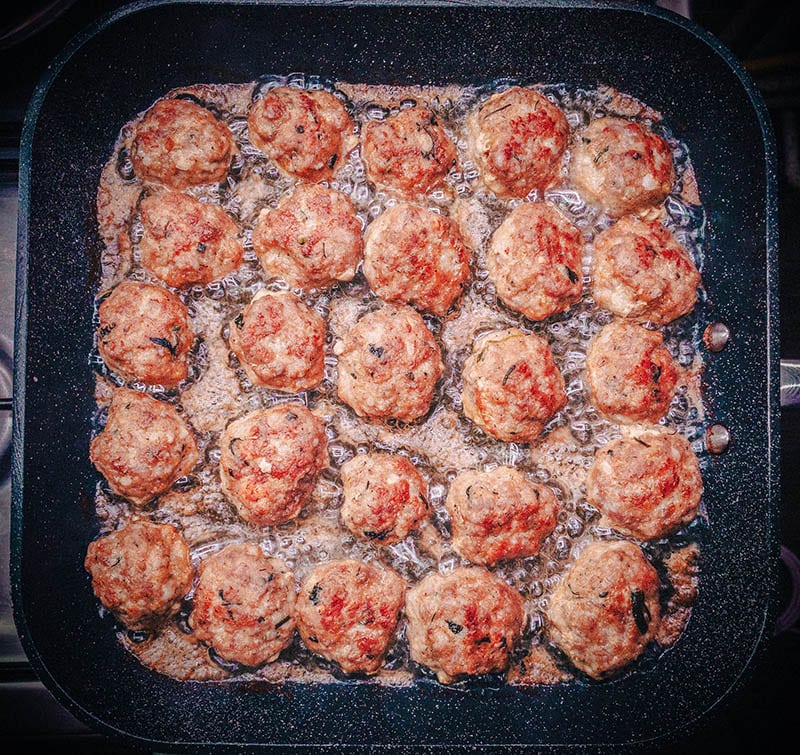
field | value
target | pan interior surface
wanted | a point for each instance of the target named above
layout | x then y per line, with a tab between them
149	50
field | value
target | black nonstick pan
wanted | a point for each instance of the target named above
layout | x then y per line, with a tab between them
117	69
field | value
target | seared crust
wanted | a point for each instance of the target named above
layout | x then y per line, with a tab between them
534	260
632	376
179	144
518	138
186	241
243	605
407	154
280	342
141	573
144	446
511	385
606	610
646	486
144	333
465	623
270	460
499	514
347	612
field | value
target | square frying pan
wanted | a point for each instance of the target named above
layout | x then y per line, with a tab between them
122	64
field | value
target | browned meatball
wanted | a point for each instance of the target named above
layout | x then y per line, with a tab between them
632	376
389	364
512	386
243	605
385	497
144	333
415	256
605	610
499	514
270	461
408	154
465	623
306	133
140	573
621	166
518	138
534	260
646	486
179	144
280	342
144	446
641	272
312	239
348	611
186	241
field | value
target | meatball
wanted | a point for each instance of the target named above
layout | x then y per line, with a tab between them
312	239
517	138
280	342
641	272
186	241
415	256
144	446
348	611
306	133
646	486
270	461
632	376
389	364
179	144
511	385
407	154
605	610
140	573
384	497
243	605
534	260
465	623
621	166
499	514
144	334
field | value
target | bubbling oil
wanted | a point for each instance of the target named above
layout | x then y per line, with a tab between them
441	445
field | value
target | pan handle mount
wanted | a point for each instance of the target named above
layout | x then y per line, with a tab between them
790	382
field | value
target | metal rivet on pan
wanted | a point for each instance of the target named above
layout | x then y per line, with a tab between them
718	438
716	336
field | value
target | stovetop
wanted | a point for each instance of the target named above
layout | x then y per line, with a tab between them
763	35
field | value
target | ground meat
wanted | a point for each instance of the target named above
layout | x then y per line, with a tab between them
144	446
408	154
186	241
348	611
389	364
518	137
384	497
243	605
499	514
646	486
140	573
179	144
280	342
312	239
306	133
270	461
632	376
512	386
641	272
534	260
144	334
605	610
465	623
621	166
413	255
